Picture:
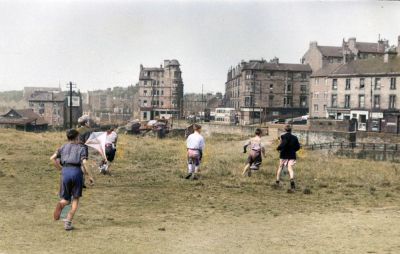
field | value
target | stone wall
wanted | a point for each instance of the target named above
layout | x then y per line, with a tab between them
210	128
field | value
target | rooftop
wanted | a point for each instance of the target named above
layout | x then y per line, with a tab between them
263	65
331	51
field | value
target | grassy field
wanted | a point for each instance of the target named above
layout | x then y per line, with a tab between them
351	206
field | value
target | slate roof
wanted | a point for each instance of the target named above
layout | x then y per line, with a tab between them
331	51
253	65
22	117
325	71
368	47
370	66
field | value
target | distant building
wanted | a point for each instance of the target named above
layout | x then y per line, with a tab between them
160	91
23	119
366	90
262	91
48	104
29	90
318	56
112	106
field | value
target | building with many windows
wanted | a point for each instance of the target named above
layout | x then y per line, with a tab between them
366	90
262	91
160	91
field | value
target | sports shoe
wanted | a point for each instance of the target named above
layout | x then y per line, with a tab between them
68	225
188	176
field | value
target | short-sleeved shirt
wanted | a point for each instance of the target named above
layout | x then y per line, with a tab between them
112	138
72	154
255	144
195	141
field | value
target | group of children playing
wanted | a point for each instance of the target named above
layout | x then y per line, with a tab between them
72	157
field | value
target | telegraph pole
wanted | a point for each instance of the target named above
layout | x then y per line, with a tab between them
70	85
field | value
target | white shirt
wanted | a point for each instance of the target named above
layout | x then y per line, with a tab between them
111	138
195	141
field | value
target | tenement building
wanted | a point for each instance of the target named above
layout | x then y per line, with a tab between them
160	91
262	91
365	90
318	56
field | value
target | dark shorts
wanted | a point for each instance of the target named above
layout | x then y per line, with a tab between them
110	153
254	157
72	183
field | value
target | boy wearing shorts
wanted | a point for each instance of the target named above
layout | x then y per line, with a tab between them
71	159
195	145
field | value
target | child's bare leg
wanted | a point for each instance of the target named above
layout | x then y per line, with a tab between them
246	168
60	205
74	207
291	172
278	171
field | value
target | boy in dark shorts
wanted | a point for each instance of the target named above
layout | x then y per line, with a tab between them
256	149
71	159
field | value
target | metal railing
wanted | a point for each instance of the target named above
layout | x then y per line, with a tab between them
383	147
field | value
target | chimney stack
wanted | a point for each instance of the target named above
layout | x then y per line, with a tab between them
313	44
274	60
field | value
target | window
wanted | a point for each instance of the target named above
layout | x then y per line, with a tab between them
271	86
289	88
271	101
392	83
145	92
377	84
334	101
287	101
347	101
362	83
392	101
248	75
247	101
162	92
361	101
145	103
303	88
315	107
334	84
303	101
303	75
324	107
377	101
348	83
162	103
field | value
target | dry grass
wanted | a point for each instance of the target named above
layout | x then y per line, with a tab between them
146	207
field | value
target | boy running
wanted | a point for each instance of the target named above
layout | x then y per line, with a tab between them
288	147
257	148
71	159
195	145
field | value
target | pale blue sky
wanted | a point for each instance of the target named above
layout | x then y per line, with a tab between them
100	44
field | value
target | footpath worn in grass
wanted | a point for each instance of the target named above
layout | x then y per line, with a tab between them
341	206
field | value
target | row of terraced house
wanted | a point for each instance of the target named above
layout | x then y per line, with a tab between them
357	80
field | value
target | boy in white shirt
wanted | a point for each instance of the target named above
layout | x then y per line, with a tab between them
195	145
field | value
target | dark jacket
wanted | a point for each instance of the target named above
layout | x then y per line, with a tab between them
288	147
